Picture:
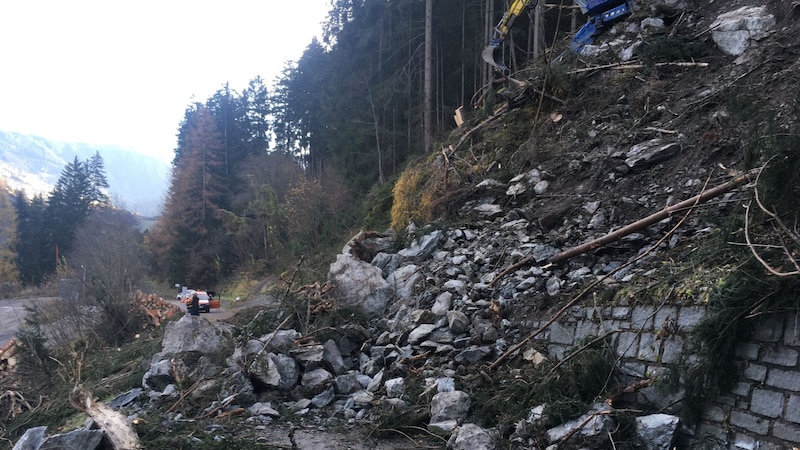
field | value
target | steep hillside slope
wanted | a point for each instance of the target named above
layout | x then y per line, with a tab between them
715	112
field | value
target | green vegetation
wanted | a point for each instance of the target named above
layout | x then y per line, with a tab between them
762	279
45	377
9	273
567	389
46	228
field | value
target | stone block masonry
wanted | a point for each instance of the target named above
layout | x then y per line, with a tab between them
762	410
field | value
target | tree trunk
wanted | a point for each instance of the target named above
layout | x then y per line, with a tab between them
381	178
488	33
574	22
427	106
116	425
538	31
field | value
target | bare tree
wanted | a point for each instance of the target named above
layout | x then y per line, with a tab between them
106	262
109	260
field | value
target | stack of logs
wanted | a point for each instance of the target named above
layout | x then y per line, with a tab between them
154	307
7	362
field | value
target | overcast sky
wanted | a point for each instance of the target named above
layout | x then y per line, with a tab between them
122	72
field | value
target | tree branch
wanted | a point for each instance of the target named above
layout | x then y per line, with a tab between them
793	236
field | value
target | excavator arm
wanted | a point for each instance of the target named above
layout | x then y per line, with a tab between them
602	14
493	54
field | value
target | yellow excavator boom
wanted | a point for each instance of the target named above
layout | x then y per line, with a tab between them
492	54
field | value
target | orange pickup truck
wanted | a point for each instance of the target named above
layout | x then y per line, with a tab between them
207	300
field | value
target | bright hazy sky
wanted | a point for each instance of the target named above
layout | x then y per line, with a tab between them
123	72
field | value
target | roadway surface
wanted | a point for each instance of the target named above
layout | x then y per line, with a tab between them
12	314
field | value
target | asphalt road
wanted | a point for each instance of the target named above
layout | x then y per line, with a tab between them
12	315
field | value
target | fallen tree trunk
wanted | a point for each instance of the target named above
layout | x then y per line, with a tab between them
653	218
115	424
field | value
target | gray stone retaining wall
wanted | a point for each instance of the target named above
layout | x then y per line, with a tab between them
761	411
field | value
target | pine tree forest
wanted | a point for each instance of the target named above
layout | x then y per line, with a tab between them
262	176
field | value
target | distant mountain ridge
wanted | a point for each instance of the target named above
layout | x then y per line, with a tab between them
136	182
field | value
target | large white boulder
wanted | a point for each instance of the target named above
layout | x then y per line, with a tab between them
734	31
194	334
360	285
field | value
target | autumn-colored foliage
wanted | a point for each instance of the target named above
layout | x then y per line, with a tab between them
312	207
415	195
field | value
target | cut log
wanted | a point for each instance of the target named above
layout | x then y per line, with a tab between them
9	345
458	117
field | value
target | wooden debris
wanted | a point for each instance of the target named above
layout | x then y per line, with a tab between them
317	297
116	425
510	269
6	348
14	403
630	389
154	307
7	362
624	66
458	117
690	204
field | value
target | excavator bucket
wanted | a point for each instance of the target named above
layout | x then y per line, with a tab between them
493	55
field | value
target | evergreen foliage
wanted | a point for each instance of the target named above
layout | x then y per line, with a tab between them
268	169
9	274
286	166
46	228
32	248
344	117
190	241
356	103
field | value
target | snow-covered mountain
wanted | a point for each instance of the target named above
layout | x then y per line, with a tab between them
33	164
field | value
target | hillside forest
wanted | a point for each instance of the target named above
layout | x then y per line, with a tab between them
264	175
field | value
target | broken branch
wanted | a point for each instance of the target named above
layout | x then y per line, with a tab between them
116	425
512	268
622	66
758	257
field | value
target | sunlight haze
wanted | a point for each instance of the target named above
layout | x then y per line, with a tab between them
123	72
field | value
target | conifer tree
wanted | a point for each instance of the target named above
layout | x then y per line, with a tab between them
191	242
77	191
46	229
34	260
8	223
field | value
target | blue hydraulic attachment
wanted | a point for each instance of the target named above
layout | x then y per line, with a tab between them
602	15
